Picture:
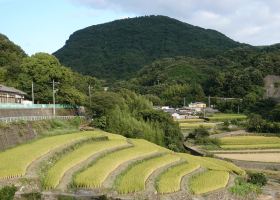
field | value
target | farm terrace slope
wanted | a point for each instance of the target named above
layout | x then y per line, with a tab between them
132	164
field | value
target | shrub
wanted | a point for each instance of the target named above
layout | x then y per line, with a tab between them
257	179
200	132
32	196
8	192
243	188
208	141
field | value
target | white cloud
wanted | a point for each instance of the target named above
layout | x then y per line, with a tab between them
252	21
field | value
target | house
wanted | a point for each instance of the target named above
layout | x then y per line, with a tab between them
11	95
197	106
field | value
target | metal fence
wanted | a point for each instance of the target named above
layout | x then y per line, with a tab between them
34	118
33	106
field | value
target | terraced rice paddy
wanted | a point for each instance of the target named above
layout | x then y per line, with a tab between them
213	164
208	181
222	117
190	120
197	125
257	157
93	161
170	180
56	172
134	178
250	142
15	161
95	175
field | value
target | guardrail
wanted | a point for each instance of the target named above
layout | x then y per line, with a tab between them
34	118
33	106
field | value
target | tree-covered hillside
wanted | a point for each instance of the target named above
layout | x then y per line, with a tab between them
237	73
117	50
19	70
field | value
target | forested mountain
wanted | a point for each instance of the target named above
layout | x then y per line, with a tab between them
117	50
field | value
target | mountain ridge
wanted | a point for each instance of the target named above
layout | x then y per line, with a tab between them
118	49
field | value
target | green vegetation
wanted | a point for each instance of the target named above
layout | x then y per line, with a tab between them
53	175
20	157
133	116
197	125
170	180
257	123
250	142
244	189
208	181
136	42
223	117
213	164
257	178
7	192
133	179
96	174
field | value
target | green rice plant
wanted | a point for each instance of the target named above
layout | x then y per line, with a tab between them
190	120
197	125
222	117
53	175
212	164
14	162
134	178
96	174
250	142
247	140
251	146
208	181
232	167
170	180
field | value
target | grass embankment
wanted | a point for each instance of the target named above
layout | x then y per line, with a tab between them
66	161
96	174
250	142
208	181
15	161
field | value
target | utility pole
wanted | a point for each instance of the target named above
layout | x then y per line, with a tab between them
54	91
32	92
184	101
89	93
238	109
209	101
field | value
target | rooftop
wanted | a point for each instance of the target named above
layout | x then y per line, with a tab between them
4	88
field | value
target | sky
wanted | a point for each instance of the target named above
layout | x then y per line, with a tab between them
45	25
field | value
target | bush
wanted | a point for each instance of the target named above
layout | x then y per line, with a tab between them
243	188
208	141
200	132
7	192
257	179
32	196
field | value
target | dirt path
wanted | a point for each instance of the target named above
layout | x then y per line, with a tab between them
67	177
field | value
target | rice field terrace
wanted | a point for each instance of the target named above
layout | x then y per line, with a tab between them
223	117
250	142
250	148
97	158
194	125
